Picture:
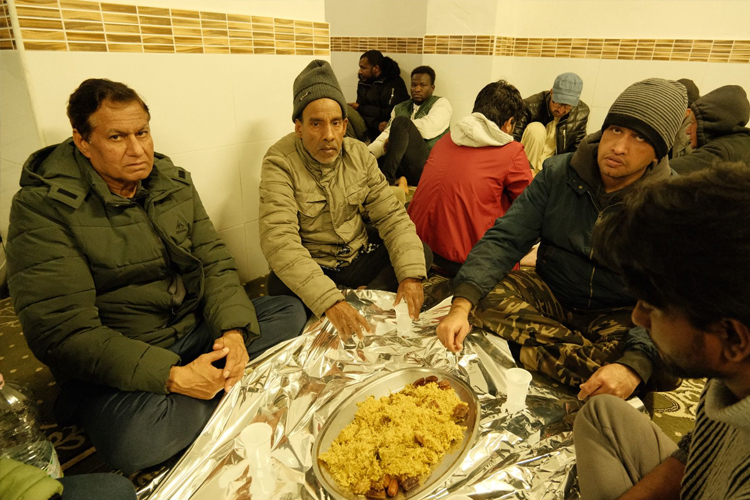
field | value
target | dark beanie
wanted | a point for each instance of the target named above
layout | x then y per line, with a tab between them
654	108
692	90
316	81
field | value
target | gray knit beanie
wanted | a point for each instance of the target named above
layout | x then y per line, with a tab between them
654	108
316	81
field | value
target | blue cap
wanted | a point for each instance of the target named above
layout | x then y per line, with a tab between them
567	89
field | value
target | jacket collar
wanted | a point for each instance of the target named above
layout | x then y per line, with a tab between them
320	171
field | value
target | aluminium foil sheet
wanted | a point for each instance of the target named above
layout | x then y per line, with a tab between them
296	386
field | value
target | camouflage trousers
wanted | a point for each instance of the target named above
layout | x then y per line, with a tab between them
568	346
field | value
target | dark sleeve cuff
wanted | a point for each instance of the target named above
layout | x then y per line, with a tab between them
639	362
468	291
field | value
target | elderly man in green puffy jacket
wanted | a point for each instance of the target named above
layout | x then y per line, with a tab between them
124	288
314	183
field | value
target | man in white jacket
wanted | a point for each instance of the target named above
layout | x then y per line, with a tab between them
452	211
414	128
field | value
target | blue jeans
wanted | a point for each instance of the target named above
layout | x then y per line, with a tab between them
135	430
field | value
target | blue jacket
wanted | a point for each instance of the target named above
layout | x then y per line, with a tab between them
560	207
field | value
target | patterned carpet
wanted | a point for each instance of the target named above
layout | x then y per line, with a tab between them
674	411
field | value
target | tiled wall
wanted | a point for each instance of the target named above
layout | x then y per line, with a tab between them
75	25
720	51
6	32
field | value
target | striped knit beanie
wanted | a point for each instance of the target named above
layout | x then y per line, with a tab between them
316	81
654	108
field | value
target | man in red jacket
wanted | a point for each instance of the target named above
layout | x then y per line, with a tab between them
471	177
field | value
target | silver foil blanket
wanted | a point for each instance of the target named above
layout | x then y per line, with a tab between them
296	386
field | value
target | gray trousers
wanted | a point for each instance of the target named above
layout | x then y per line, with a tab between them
616	446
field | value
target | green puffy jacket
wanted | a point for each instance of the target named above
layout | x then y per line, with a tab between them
23	482
102	284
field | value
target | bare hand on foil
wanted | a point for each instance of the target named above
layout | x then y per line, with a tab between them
454	328
346	320
616	379
412	291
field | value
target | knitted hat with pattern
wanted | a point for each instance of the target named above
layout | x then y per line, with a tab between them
316	81
654	108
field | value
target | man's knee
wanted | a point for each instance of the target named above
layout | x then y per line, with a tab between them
534	131
400	123
153	432
282	308
599	412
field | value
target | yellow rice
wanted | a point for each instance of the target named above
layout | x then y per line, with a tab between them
382	439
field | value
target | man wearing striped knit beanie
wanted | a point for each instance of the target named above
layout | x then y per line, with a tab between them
570	317
681	246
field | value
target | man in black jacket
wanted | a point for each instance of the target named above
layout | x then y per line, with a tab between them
718	132
554	121
380	88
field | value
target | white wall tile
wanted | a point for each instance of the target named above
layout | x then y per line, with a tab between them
616	76
459	17
345	65
19	136
596	118
257	265
251	160
234	238
262	87
459	79
376	17
718	75
191	104
216	176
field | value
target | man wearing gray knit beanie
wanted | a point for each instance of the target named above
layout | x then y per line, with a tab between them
314	185
570	317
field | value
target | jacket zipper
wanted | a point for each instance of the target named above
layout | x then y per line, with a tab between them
591	258
391	99
591	253
565	141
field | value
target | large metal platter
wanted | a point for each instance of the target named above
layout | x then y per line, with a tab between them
383	386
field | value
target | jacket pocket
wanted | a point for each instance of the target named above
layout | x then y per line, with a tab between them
310	204
357	196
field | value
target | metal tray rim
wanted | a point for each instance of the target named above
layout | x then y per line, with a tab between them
361	394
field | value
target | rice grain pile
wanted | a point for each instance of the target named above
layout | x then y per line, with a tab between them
402	435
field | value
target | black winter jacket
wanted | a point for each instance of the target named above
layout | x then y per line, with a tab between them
561	206
571	129
721	116
376	99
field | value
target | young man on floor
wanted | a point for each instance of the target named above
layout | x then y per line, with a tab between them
414	128
472	176
570	319
681	246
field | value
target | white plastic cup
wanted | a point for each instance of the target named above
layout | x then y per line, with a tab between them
257	440
264	482
403	320
517	382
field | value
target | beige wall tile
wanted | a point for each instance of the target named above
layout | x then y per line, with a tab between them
117	7
124	47
46	46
